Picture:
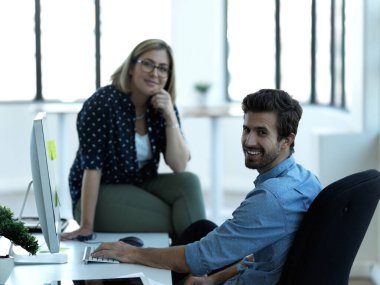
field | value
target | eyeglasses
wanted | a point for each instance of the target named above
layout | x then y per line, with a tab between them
149	66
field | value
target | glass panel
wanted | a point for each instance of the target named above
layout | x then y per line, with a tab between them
125	23
295	21
323	73
17	51
68	49
354	52
338	53
251	40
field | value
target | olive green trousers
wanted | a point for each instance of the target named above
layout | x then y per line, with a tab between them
167	203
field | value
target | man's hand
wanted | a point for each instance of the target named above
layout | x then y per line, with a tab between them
196	280
117	250
215	278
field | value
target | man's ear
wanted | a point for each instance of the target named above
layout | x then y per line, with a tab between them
289	139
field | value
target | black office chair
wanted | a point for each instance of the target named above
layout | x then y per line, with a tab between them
331	232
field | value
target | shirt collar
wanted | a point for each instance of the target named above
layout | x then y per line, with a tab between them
130	105
275	171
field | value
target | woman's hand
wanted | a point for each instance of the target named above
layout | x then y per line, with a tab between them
75	234
162	102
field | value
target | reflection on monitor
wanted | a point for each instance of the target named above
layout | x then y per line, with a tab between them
42	158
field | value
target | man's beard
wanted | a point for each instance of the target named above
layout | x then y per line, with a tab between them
266	159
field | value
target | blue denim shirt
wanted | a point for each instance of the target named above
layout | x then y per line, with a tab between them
263	225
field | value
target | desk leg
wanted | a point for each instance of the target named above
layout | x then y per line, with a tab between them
216	171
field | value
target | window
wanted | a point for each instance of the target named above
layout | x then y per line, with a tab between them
67	49
251	58
17	68
295	45
63	50
122	29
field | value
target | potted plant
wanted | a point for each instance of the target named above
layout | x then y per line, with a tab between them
17	234
202	88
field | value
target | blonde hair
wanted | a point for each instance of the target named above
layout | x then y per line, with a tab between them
121	78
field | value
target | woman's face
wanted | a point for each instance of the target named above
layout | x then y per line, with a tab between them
150	73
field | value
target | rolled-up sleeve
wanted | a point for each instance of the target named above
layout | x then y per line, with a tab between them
248	231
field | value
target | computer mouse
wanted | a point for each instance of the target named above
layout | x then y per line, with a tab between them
132	240
85	238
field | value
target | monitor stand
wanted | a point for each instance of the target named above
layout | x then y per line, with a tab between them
39	258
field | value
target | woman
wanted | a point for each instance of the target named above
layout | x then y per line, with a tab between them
123	128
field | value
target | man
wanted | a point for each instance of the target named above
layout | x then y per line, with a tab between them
257	238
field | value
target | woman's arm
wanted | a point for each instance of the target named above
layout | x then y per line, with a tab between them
89	199
177	153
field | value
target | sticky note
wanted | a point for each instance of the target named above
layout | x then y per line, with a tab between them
56	199
51	149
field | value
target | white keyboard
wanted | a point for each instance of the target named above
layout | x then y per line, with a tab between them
102	259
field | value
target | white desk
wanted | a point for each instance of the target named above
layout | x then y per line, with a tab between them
75	269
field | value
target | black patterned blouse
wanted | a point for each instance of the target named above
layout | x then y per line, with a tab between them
106	131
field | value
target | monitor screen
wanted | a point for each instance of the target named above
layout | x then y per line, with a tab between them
42	158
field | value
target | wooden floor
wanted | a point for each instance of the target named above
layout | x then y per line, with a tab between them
359	281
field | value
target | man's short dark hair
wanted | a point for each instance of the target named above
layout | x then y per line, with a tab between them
288	110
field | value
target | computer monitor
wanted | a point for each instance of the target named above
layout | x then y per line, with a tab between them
42	158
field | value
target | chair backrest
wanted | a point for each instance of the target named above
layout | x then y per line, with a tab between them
329	237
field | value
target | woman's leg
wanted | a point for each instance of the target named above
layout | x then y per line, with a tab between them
182	191
128	208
